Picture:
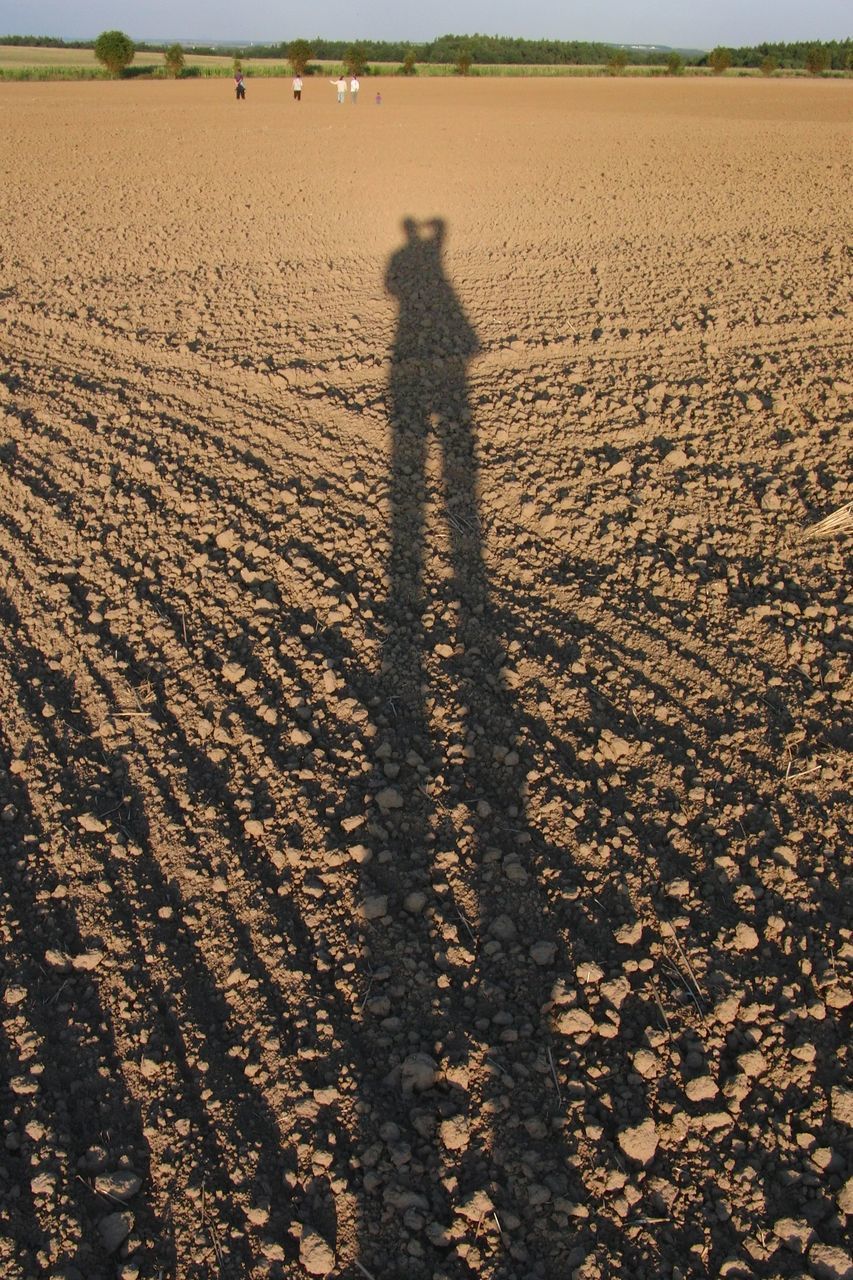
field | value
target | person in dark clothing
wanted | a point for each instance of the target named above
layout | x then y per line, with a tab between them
240	85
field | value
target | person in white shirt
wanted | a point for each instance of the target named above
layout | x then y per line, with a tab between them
297	88
354	87
341	86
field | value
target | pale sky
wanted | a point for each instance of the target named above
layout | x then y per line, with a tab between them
686	23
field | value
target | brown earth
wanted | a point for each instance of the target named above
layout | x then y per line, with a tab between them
423	703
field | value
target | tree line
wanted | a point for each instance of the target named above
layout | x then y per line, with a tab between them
836	55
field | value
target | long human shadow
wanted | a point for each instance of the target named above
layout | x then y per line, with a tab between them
472	968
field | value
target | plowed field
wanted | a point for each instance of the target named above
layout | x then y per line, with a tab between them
424	696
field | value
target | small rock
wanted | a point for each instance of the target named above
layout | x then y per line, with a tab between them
374	908
573	1022
454	1133
716	1120
415	902
616	991
702	1089
753	1064
589	974
640	1142
316	1254
795	1233
389	798
476	1207
842	1105
542	953
418	1073
726	1010
830	1262
121	1185
89	822
845	1198
745	939
14	995
503	929
646	1064
114	1229
613	748
87	961
675	458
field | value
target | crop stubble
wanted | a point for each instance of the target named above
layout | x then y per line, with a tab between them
423	730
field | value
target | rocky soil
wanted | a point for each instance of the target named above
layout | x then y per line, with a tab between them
424	690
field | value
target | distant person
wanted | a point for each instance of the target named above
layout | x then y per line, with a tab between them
297	88
378	99
341	86
240	85
354	87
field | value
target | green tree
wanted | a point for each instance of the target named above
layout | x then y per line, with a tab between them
768	66
618	62
299	54
115	51
463	61
674	64
719	60
817	60
173	59
355	60
408	68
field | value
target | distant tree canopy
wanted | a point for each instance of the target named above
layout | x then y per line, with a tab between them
489	50
44	42
355	60
817	60
719	60
299	54
114	50
792	56
462	63
174	60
